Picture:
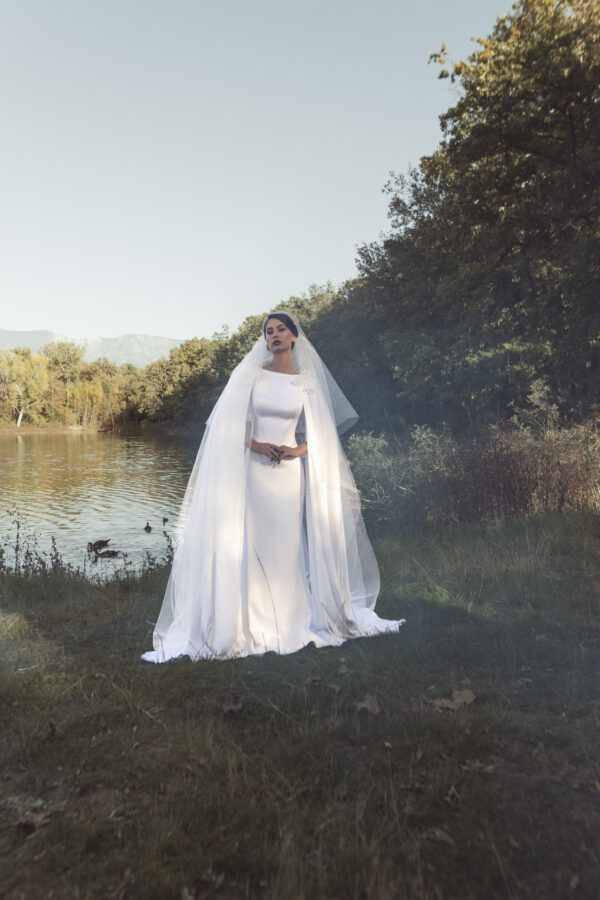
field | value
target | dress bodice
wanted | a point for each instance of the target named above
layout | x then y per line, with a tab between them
276	407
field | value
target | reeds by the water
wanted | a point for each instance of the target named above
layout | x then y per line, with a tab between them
457	759
21	553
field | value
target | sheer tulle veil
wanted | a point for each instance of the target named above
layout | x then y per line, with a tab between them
202	607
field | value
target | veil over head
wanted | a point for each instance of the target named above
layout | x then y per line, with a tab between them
201	615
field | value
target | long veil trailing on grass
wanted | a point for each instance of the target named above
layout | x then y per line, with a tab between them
202	610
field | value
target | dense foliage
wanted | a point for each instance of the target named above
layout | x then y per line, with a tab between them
56	387
490	276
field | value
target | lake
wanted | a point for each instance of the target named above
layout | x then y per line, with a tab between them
83	486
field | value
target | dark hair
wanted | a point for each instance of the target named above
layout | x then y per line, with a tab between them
287	321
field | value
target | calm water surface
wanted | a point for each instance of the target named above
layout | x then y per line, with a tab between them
80	487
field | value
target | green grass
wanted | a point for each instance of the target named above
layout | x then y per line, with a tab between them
260	777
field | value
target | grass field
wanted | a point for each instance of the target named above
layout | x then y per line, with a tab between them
457	759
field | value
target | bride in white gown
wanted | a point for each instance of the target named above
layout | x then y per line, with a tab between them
271	551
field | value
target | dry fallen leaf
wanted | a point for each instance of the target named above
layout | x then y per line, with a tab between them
477	765
31	822
459	699
312	679
370	704
227	704
438	834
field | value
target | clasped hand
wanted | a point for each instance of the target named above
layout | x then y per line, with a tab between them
277	452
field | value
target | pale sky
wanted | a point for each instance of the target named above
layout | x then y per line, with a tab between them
170	166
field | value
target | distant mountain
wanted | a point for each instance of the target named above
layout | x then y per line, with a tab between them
32	339
137	349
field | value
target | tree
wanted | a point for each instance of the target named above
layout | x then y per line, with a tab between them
23	380
65	360
494	250
87	398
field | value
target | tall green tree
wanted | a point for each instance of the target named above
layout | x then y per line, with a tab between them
492	268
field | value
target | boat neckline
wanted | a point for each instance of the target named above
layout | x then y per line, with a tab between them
289	374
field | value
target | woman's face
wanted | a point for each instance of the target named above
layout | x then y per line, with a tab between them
278	336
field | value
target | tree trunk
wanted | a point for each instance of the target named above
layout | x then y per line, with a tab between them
21	411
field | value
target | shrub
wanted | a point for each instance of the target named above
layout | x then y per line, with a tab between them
509	470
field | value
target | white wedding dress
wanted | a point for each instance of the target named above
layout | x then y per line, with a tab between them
270	556
277	609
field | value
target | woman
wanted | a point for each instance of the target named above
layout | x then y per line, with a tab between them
272	552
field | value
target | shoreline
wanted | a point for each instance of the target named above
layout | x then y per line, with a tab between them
47	429
152	430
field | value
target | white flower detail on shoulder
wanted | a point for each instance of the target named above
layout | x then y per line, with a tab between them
304	381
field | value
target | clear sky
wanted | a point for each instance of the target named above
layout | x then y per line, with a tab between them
170	166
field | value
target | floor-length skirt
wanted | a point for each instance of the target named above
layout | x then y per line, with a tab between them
276	610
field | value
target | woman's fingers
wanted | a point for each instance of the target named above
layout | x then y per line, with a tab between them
272	451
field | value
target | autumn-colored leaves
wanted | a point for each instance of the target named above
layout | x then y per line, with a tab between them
369	705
